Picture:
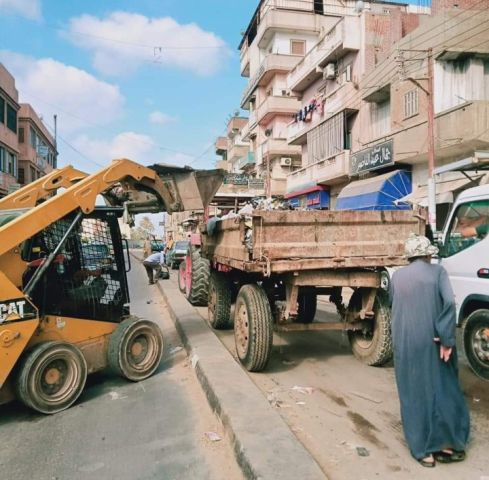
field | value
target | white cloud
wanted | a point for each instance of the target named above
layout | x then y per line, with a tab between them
123	41
79	99
160	118
134	146
26	8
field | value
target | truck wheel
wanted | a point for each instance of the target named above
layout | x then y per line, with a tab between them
373	345
135	349
197	285
181	277
476	342
51	377
253	328
219	303
307	304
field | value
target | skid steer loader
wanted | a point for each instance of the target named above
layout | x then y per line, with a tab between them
64	297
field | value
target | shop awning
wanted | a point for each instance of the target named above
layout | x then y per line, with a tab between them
376	193
445	188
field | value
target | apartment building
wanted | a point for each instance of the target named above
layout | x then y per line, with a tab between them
362	124
9	148
279	35
37	149
327	80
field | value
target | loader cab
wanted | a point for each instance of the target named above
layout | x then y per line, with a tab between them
87	279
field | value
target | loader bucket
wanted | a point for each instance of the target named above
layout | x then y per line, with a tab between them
189	189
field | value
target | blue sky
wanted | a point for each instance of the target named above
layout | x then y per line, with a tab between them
95	65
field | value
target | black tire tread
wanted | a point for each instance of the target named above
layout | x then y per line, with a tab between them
307	304
222	312
199	290
477	316
382	351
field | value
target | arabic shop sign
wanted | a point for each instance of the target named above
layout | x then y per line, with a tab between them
378	156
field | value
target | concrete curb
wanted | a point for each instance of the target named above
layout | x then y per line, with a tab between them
264	446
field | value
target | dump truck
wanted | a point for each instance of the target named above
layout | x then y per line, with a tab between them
274	264
64	296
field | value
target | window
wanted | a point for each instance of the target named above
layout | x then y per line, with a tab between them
33	174
327	140
21	176
11	118
21	135
11	164
469	216
33	138
298	47
411	104
2	159
2	110
380	118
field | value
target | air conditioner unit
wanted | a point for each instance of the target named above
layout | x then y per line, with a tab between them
329	71
286	162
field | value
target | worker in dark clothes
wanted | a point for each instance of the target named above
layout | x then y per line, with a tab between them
434	414
153	264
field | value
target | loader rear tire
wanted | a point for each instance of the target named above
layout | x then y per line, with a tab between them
198	272
135	349
219	303
373	346
253	328
51	377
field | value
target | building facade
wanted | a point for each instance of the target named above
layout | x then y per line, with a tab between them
9	145
36	145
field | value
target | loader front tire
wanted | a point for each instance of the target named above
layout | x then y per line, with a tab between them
51	377
135	349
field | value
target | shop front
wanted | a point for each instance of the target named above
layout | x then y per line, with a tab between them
313	198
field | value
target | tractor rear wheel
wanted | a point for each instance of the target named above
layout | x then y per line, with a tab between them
135	349
51	377
197	276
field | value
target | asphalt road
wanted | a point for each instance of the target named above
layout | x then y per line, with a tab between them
155	429
347	414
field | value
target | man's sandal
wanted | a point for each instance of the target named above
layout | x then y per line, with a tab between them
426	463
446	457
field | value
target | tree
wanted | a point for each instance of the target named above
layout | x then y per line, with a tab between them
146	226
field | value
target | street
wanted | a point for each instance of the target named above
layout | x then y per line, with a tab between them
155	429
347	414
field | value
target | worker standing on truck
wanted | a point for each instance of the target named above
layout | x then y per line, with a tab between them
153	264
434	414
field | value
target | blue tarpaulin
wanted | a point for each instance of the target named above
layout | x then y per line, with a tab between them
376	193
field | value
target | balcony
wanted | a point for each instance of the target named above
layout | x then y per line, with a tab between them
249	128
235	125
273	106
236	152
342	38
327	172
271	65
221	145
244	60
285	15
247	161
278	147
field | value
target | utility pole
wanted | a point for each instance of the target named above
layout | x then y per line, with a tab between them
429	91
55	118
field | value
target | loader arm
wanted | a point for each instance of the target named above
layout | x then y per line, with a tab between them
29	195
82	195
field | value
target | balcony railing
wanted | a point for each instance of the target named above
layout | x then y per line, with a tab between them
271	64
246	161
279	146
343	37
328	171
277	106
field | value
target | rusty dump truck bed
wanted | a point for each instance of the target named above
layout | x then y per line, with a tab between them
284	241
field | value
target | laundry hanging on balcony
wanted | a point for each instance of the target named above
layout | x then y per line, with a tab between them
377	193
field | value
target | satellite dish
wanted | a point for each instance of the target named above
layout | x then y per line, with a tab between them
359	6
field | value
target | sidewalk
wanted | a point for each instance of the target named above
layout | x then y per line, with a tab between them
264	446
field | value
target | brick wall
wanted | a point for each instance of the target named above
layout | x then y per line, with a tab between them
438	6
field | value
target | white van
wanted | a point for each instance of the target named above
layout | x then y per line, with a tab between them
467	263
